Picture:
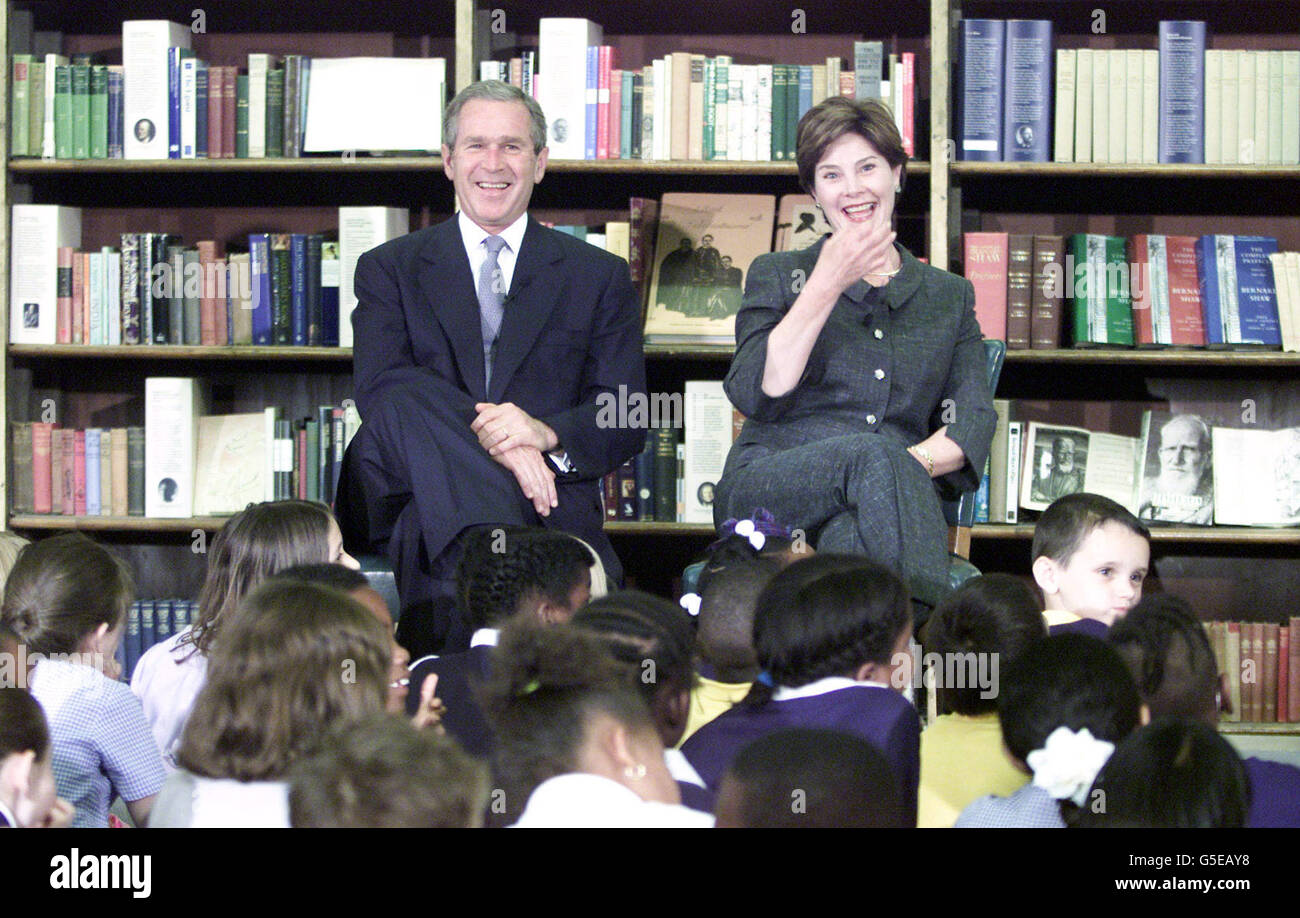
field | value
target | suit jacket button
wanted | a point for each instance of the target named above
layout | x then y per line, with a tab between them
880	374
871	419
879	334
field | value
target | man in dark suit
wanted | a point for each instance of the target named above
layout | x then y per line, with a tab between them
484	347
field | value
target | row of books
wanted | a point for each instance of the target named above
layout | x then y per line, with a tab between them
286	289
1185	467
1177	103
1150	289
149	622
1107	104
1262	663
688	106
182	462
163	102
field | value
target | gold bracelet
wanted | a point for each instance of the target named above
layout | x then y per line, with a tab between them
927	456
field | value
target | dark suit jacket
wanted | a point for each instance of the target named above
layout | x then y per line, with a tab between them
459	675
571	332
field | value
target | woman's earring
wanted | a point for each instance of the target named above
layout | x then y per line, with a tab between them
898	189
635	773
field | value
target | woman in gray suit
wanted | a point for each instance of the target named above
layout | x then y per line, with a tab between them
860	370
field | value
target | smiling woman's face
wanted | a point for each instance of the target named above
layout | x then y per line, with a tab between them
853	183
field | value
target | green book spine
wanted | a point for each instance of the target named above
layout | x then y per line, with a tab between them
275	112
281	287
779	79
63	112
80	111
791	108
312	464
721	76
36	119
1103	308
710	105
241	116
1119	300
99	112
1078	289
20	117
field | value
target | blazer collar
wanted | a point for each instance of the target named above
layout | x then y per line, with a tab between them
449	288
896	293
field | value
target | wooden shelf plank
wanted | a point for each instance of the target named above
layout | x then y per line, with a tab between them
117	523
1126	170
181	351
32	166
1287	729
671	529
1221	535
1155	357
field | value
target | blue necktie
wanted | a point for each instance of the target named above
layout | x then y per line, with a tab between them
491	301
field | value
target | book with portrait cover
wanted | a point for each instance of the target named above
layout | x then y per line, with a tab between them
800	223
1176	477
1257	476
705	245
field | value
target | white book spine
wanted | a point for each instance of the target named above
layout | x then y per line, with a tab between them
736	112
113	293
1291	108
1150	106
1285	308
1230	145
1101	107
663	93
1261	107
37	233
1213	106
764	113
1118	103
258	65
562	56
1133	105
47	138
270	462
1083	106
1247	152
1274	107
172	408
95	297
189	69
707	438
1015	430
648	102
1064	127
1293	285
145	96
749	135
360	230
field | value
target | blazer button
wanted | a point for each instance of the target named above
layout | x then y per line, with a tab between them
879	334
871	419
880	374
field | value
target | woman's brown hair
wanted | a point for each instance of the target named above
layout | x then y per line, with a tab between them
253	545
63	588
293	659
830	120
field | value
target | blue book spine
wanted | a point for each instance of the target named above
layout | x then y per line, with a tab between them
200	110
981	49
92	472
115	113
805	89
645	482
1255	320
163	626
593	95
148	630
298	288
982	498
174	103
259	247
1207	273
1182	91
1027	91
132	642
625	116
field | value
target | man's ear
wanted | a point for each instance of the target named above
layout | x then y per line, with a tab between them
539	169
448	169
1045	571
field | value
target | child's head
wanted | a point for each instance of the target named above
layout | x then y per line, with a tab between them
256	543
293	659
26	765
560	703
1170	657
380	772
994	614
357	585
67	594
1174	773
831	615
1090	556
521	570
810	779
656	640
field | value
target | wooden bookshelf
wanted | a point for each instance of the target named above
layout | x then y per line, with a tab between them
1256	729
1187	535
1174	171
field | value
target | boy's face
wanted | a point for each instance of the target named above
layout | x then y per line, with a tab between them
1102	579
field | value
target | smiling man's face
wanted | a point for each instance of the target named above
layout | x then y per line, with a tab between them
493	166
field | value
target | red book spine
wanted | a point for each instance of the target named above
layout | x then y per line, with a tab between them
1268	684
209	252
602	102
78	296
68	471
908	66
79	473
221	321
1256	706
228	100
1140	260
42	478
216	85
615	114
63	306
610	483
1284	675
1186	320
300	463
985	261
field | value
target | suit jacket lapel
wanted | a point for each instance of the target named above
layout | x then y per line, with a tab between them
448	286
535	290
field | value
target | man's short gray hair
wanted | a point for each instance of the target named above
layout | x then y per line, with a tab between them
494	91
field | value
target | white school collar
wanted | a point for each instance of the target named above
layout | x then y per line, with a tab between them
681	769
821	687
485	637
